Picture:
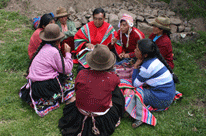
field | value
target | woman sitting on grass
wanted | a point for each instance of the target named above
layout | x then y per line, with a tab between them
35	40
44	87
127	37
153	71
66	26
161	36
99	102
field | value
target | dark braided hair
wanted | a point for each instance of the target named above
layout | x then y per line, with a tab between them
167	32
45	20
147	46
52	43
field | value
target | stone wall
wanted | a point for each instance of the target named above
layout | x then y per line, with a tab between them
143	12
143	15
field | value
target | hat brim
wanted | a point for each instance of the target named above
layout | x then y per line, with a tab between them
42	36
61	15
100	67
154	23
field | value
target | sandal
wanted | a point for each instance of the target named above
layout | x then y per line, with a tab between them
136	123
118	123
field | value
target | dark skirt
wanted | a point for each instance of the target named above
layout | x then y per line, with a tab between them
41	89
71	122
47	95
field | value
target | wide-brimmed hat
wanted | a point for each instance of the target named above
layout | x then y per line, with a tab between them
128	19
101	58
61	12
51	33
162	22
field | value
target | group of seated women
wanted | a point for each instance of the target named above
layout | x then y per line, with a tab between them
96	104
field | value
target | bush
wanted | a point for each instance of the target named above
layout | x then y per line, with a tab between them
3	3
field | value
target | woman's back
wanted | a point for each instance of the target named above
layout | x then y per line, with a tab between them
47	64
93	89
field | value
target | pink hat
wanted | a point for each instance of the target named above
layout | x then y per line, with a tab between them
128	19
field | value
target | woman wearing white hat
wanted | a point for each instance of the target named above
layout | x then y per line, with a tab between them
127	37
161	36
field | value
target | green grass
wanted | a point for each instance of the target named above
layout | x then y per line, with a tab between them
194	9
191	8
3	3
166	1
17	118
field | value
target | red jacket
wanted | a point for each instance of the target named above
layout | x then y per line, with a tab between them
165	47
135	36
34	42
94	89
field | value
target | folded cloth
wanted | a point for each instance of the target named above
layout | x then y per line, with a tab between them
134	103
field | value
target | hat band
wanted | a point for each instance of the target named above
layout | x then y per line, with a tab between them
62	13
161	23
103	62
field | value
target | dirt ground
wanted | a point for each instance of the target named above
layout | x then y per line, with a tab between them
33	8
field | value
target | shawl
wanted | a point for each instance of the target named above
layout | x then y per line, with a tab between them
89	33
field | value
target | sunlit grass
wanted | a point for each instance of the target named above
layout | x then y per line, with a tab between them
185	117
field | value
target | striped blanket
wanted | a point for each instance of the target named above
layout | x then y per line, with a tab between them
134	103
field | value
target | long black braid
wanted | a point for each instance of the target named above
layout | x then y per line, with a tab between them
147	46
52	43
62	76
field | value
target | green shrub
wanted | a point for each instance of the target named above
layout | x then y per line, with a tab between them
3	3
194	10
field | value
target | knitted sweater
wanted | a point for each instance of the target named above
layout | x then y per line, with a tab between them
165	47
154	73
94	89
47	64
134	36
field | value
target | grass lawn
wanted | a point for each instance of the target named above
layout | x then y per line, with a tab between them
185	117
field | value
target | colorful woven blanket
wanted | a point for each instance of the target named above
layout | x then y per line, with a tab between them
134	102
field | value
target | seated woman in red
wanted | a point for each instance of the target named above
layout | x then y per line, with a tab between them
161	36
35	40
127	37
99	102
